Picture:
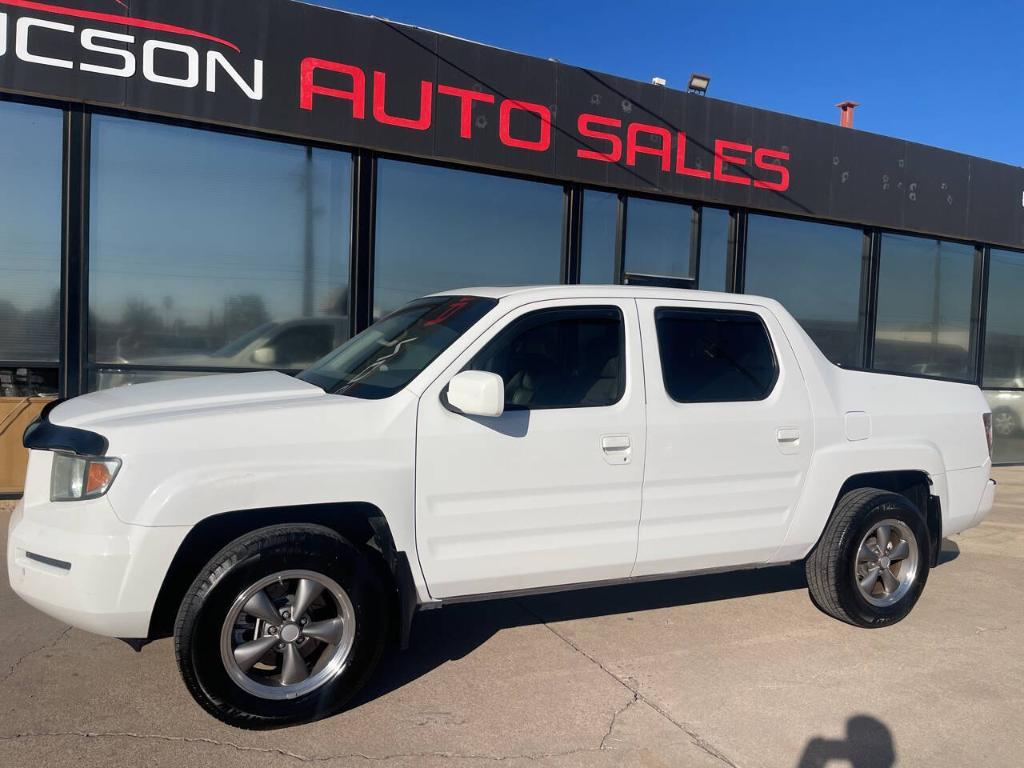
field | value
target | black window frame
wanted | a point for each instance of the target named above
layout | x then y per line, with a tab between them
661	311
562	311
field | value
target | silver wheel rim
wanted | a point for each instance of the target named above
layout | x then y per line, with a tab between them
288	634
1004	423
887	560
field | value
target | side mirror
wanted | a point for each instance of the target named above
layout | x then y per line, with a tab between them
264	356
477	393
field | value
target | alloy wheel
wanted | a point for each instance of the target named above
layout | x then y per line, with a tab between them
887	560
288	634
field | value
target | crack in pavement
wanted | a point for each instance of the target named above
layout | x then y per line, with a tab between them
695	738
295	756
615	718
43	647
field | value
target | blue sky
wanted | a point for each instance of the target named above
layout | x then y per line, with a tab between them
949	74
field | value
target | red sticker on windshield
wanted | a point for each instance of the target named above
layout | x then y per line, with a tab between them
449	311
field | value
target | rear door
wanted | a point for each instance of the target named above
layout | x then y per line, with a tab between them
548	493
729	440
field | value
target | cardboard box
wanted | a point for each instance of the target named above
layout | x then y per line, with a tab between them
16	413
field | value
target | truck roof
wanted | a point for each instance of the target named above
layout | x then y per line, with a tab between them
606	291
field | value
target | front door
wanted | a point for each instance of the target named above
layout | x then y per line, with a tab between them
548	493
730	435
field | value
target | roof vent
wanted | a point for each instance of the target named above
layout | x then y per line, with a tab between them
846	113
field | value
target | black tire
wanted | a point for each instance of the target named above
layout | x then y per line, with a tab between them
832	565
235	569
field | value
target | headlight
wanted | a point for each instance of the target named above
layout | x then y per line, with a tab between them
81	477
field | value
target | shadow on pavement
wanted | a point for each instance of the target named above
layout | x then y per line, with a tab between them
456	630
949	552
868	744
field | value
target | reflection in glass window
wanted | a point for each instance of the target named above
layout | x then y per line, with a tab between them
658	238
27	382
1004	354
714	250
239	258
597	246
106	378
440	229
1007	425
814	270
1004	325
924	307
30	224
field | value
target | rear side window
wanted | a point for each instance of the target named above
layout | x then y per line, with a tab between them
711	356
559	358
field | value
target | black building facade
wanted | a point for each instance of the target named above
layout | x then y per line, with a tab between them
197	186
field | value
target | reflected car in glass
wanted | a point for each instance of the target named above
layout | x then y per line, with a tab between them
289	344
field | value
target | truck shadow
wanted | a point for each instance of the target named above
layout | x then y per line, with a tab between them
449	634
949	552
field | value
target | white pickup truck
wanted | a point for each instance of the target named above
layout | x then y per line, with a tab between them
476	444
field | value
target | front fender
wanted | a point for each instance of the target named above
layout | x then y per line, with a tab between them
185	495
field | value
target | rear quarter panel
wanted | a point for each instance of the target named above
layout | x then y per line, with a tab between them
912	424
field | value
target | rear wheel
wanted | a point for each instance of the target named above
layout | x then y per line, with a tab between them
282	626
871	564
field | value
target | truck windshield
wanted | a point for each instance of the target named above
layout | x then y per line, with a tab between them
389	354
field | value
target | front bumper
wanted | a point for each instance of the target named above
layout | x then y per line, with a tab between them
78	563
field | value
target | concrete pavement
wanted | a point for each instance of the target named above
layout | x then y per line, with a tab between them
734	670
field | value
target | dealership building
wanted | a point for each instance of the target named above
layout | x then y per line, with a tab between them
197	186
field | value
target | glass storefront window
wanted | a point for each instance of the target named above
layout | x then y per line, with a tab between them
30	225
814	270
1004	325
237	259
597	245
1004	354
1007	425
28	382
923	325
440	229
714	250
658	238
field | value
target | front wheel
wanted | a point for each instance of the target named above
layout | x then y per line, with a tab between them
871	564
282	626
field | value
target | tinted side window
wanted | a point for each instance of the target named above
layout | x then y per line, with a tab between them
559	358
714	356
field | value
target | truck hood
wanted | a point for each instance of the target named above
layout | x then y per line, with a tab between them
181	396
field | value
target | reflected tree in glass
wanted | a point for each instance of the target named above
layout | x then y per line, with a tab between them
30	226
238	259
923	326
